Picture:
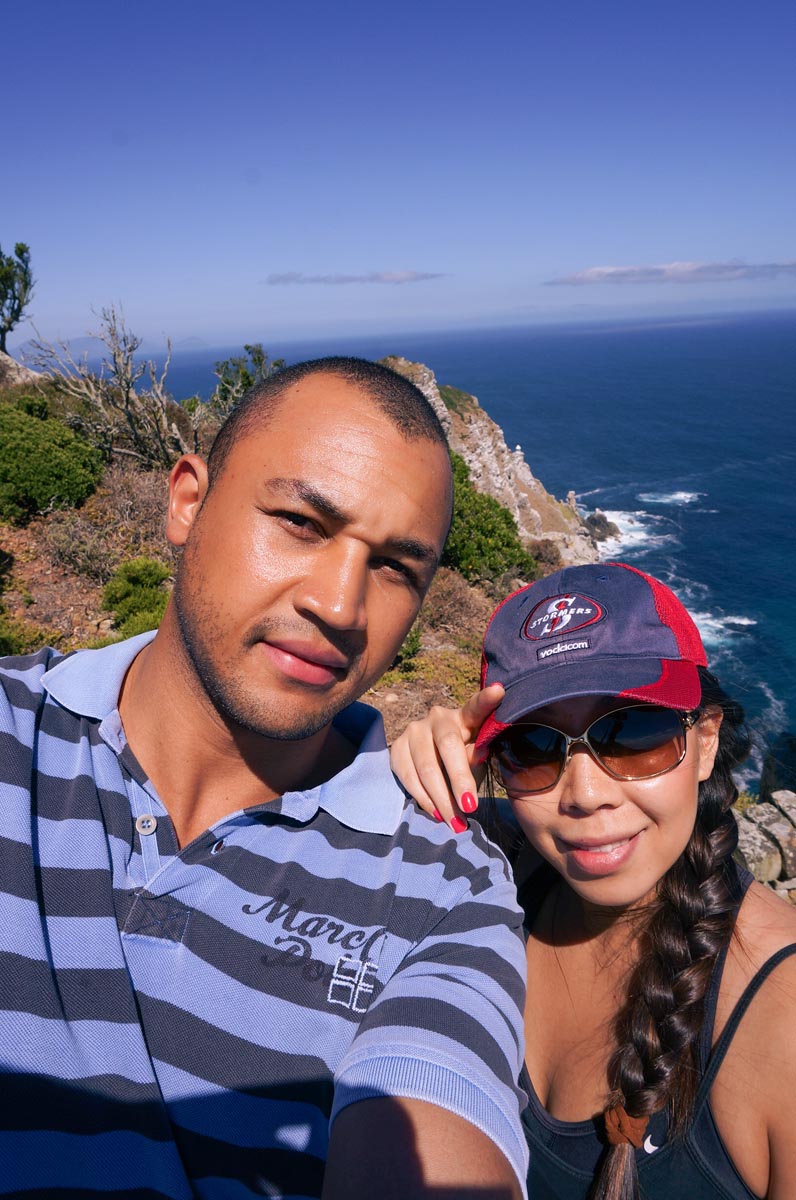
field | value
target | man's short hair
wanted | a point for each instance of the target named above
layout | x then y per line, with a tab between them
395	396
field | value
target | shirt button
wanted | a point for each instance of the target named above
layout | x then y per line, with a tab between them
146	824
219	845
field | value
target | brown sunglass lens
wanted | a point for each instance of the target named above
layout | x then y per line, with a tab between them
529	758
638	742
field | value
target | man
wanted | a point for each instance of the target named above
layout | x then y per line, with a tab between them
235	960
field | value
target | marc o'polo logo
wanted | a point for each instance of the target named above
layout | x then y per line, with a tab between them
556	614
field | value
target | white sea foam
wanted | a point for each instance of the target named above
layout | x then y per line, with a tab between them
638	532
775	712
718	630
676	498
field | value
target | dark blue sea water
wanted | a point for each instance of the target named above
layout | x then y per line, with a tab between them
683	432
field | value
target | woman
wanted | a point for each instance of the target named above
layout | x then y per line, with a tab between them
661	1014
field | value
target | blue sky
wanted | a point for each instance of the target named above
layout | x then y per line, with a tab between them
257	171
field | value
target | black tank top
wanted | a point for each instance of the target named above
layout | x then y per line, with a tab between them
565	1154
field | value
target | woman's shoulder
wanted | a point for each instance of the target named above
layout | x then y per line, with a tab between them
754	972
752	1097
766	924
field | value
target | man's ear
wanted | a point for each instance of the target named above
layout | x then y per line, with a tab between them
707	731
187	489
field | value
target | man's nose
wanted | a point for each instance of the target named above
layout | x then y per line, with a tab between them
334	591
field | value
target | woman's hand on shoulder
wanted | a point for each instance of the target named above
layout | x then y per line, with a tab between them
434	758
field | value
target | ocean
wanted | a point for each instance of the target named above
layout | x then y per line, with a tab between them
681	431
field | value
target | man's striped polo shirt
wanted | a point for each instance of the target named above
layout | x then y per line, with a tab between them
187	1022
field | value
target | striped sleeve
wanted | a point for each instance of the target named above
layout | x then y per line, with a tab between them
447	1026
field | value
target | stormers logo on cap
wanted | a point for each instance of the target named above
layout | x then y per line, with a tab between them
558	613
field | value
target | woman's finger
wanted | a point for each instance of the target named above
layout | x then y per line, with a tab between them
480	706
455	759
434	758
415	761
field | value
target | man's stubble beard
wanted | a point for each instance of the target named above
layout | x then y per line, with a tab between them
229	695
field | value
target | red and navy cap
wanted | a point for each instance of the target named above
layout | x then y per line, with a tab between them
602	629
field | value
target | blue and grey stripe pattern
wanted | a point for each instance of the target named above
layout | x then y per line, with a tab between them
182	1023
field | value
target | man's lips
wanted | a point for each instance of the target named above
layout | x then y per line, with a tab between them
305	662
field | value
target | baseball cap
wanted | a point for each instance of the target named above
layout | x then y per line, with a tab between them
601	629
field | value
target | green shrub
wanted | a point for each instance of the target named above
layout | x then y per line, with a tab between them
410	648
483	542
20	637
43	396
136	595
34	406
42	465
457	401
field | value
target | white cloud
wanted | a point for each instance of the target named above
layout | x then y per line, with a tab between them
289	277
677	272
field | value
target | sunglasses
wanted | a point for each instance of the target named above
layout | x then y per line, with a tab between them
638	742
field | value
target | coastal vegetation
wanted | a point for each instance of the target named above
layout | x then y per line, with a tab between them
483	543
84	458
85	450
44	464
16	289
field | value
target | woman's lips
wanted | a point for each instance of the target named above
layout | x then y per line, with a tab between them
306	664
600	858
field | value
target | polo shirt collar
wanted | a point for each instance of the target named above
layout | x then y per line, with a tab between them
365	795
89	682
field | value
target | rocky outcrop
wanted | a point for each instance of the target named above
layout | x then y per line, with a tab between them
12	372
767	842
501	472
600	527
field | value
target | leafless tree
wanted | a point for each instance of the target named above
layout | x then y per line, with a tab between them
117	415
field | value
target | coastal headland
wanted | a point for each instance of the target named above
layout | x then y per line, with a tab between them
74	575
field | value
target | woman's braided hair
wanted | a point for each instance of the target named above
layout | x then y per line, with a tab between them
691	921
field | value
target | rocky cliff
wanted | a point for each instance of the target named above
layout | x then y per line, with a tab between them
12	372
501	472
767	842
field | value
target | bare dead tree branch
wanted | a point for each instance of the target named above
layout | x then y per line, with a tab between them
110	406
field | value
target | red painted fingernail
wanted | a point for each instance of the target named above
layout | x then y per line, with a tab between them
468	802
457	825
436	815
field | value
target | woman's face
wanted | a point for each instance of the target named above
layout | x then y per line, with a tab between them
611	839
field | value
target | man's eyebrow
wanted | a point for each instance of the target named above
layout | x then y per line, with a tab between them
299	489
413	548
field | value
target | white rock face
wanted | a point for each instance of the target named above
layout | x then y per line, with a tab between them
758	852
12	372
501	472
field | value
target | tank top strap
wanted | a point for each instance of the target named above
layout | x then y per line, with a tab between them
738	881
735	1018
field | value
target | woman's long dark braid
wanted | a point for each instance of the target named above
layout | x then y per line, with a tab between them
690	923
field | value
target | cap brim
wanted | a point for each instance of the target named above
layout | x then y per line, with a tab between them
671	683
